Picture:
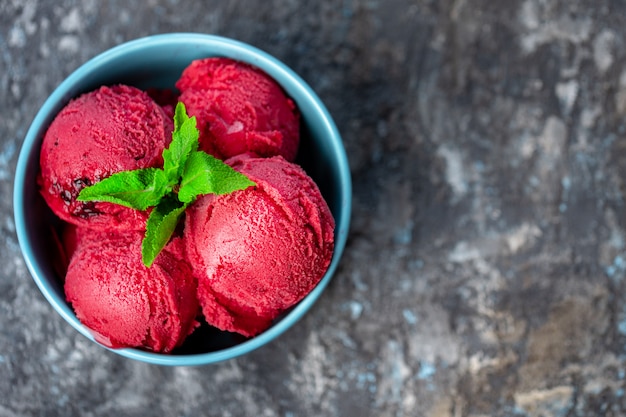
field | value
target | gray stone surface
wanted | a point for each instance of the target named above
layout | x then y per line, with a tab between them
485	273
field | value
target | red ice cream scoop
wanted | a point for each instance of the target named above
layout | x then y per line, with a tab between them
257	252
124	303
102	132
239	109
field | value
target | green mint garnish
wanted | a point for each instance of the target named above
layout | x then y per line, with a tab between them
204	174
184	143
138	189
187	173
160	226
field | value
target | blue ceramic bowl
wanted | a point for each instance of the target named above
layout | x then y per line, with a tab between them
158	61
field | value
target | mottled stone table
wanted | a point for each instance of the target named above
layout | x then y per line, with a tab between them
485	273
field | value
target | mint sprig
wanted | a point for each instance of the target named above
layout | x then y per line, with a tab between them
187	173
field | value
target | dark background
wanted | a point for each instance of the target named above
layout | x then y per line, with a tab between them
485	272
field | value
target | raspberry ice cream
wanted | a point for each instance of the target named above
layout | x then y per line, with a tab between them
239	109
109	130
257	252
240	259
124	303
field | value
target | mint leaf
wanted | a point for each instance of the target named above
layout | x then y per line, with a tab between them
160	227
186	170
204	174
184	142
138	189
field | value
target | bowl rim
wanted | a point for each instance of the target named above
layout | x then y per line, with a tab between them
219	45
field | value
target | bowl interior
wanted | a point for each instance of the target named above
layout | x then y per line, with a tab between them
157	62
